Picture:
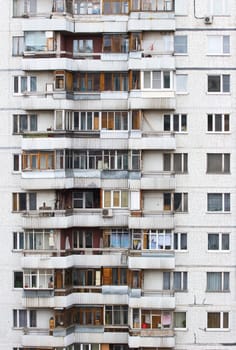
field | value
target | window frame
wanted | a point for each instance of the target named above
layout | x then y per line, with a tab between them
18	279
30	318
151	80
178	123
224	208
182	46
222	281
172	166
221	38
24	84
178	241
224	158
213	124
220	83
221	320
220	241
27	199
113	196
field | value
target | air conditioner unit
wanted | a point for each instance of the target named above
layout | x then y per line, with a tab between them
208	19
107	213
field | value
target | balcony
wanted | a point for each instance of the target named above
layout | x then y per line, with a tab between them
151	260
158	181
152	100
53	219
153	220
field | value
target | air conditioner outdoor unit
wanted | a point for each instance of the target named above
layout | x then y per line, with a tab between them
208	19
107	213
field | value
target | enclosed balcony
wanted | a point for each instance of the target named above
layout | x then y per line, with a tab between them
151	328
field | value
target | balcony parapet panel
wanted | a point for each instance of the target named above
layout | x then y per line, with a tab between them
158	21
53	219
152	338
152	100
153	220
51	142
153	140
74	298
158	181
161	299
111	258
152	260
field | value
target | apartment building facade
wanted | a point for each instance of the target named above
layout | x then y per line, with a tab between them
118	174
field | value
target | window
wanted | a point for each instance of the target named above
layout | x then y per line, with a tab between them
116	238
175	122
115	120
35	41
218	202
181	83
85	199
157	239
113	43
180	281
86	8
180	241
177	281
24	123
24	318
18	279
115	276
115	199
83	239
85	121
86	277
150	5
181	44
115	81
25	7
16	162
218	44
82	46
219	83
116	315
177	162
157	80
175	201
23	201
39	279
217	282
24	84
39	239
18	240
218	163
218	320
218	7
218	122
218	241
115	7
17	45
38	161
180	319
